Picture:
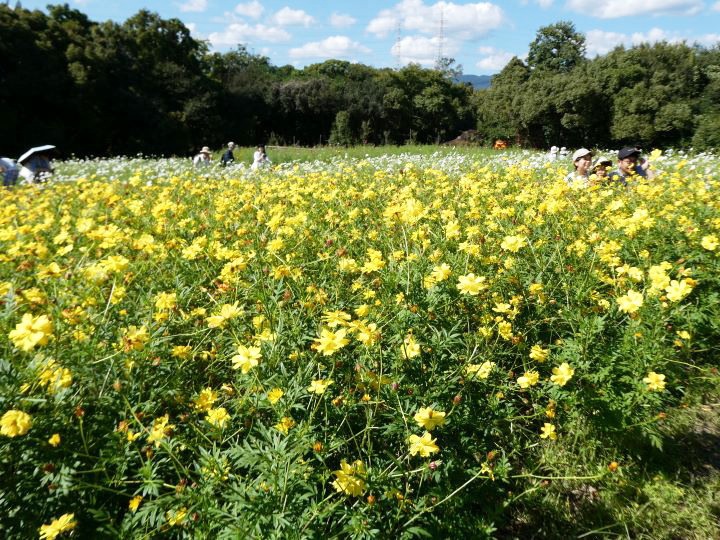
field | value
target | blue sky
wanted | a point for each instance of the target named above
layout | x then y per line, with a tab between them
482	36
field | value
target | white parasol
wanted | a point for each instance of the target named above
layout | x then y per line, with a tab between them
35	150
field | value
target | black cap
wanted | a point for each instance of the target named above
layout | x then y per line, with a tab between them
627	152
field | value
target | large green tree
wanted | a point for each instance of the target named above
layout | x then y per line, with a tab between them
558	47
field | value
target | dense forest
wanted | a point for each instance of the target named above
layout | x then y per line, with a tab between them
146	85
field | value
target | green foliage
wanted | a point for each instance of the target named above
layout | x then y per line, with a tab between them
557	48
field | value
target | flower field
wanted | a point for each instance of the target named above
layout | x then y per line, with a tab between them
394	347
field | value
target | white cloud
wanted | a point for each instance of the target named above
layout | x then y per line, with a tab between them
493	60
341	20
601	42
612	9
466	21
544	3
194	6
241	32
708	40
331	47
716	6
288	17
252	9
422	50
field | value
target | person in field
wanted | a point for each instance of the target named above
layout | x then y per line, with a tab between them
580	177
202	159
599	170
228	157
260	158
37	168
631	166
9	171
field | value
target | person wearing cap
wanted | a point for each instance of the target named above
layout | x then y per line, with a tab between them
599	169
553	154
628	167
228	157
580	177
202	159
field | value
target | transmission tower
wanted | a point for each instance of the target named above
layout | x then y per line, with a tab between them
397	44
441	37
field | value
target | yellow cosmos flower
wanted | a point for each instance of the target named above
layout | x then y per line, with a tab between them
14	423
631	302
182	351
548	432
54	440
176	517
539	354
31	331
285	424
479	371
274	395
513	243
710	242
425	445
367	334
471	284
350	478
319	386
562	374
134	503
227	312
429	419
166	301
530	378
247	358
218	417
160	429
410	347
205	399
677	290
330	342
655	381
134	338
441	272
334	319
64	523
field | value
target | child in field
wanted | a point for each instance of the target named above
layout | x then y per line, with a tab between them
599	170
260	158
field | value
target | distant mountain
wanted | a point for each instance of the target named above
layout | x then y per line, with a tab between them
478	81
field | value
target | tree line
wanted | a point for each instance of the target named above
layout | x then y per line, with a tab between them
147	86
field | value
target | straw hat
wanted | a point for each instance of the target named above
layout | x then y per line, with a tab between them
205	150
